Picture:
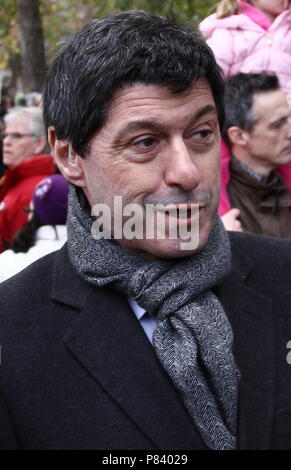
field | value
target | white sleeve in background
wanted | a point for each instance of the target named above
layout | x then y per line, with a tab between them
47	240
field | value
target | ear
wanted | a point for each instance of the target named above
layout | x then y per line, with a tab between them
237	136
39	145
68	161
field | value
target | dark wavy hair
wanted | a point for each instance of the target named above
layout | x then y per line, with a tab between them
117	50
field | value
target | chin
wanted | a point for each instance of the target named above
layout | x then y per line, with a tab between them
6	161
167	248
155	249
172	251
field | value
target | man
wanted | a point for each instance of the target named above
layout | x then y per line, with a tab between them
2	127
144	342
24	142
258	129
2	166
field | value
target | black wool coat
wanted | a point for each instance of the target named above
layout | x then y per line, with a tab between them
78	372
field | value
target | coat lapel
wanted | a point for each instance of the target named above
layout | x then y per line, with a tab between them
109	342
250	314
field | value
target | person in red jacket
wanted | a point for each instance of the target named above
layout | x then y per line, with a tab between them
24	144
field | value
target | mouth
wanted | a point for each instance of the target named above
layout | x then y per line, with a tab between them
184	213
287	149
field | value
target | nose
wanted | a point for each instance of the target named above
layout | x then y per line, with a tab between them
289	128
180	168
7	140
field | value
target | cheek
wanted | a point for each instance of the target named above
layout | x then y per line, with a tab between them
274	141
136	179
21	151
210	179
19	148
120	179
210	170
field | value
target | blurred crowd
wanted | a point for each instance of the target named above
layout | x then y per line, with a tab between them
33	194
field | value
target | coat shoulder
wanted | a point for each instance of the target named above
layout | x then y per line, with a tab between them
259	244
270	257
32	277
28	291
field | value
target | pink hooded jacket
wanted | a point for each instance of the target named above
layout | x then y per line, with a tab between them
248	42
242	45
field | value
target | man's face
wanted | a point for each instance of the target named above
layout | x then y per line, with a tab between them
269	142
19	143
157	147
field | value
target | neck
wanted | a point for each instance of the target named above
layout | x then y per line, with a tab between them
250	161
270	17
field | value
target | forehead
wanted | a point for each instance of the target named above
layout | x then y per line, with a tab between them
141	101
19	124
271	105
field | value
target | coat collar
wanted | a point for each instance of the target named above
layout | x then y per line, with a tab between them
33	166
109	342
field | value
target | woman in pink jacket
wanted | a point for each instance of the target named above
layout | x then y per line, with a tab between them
250	37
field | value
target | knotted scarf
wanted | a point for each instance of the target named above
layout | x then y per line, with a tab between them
193	340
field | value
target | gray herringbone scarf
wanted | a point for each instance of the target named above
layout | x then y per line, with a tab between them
194	338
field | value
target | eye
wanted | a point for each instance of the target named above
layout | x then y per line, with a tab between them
145	142
202	134
280	123
143	148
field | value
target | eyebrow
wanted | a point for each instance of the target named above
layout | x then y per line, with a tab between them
280	119
209	108
158	124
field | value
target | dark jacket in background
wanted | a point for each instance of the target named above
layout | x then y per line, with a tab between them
265	204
